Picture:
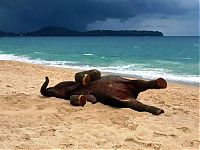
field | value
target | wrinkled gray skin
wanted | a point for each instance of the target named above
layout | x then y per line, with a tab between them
110	90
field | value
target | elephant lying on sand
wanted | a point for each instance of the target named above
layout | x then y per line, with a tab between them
111	90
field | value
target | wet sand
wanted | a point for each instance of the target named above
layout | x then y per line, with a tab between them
31	121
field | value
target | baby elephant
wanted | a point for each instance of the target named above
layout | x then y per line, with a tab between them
111	90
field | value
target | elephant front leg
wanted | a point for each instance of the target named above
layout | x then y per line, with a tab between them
91	98
143	85
80	100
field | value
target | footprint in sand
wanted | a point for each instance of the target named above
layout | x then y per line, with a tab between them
117	146
184	129
8	85
124	122
154	146
64	109
47	105
48	132
191	143
178	108
17	102
41	106
50	119
66	146
164	135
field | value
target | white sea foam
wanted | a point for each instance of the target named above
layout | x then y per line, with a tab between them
38	52
184	58
34	61
88	54
13	57
152	73
144	73
132	70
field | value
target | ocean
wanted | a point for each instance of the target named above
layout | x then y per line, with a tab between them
173	58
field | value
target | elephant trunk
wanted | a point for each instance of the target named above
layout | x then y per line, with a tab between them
48	92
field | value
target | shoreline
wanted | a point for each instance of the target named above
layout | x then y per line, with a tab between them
30	121
128	76
121	74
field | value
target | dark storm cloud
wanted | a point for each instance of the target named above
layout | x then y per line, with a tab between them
26	15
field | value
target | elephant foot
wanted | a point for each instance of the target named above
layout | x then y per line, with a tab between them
86	79
91	98
78	100
157	111
161	83
82	100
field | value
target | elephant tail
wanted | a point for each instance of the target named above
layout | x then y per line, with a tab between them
48	92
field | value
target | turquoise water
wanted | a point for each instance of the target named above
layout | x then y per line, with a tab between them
173	58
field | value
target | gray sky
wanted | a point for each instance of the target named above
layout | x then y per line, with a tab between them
172	17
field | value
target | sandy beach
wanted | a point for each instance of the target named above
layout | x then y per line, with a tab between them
31	121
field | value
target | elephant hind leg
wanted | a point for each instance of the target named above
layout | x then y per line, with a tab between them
136	105
85	77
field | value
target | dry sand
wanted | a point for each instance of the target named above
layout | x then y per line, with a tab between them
30	121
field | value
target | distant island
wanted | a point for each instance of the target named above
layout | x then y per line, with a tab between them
61	31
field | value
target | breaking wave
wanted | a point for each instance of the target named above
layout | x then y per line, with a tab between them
133	70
